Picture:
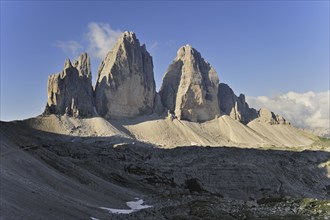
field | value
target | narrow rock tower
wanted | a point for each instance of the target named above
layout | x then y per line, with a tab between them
190	87
125	87
70	91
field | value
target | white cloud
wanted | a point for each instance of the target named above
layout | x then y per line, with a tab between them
154	46
70	47
101	39
306	110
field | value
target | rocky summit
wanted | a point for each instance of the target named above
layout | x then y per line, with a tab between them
235	107
70	92
190	87
125	86
269	117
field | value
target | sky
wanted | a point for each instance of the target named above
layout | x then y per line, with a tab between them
267	50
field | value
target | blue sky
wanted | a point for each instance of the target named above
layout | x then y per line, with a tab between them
258	48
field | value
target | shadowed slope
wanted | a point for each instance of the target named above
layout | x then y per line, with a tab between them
58	176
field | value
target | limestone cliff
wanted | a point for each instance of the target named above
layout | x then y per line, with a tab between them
125	87
70	91
190	87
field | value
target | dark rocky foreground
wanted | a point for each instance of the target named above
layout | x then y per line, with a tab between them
51	176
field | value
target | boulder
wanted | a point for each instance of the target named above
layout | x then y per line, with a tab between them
125	87
70	91
190	87
235	107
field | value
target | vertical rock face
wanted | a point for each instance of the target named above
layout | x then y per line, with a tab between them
158	105
234	106
125	86
190	87
70	91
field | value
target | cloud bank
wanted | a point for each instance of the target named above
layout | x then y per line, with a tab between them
100	40
305	110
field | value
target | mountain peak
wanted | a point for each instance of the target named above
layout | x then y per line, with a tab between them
128	36
83	64
67	64
188	52
190	87
125	86
70	92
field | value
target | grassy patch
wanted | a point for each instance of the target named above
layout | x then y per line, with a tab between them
315	206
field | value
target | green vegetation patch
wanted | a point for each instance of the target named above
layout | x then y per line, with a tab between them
315	207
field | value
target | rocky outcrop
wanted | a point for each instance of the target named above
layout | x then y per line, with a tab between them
190	87
70	91
235	107
125	86
238	109
266	116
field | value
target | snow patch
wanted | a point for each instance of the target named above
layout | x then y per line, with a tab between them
137	205
134	206
118	211
92	218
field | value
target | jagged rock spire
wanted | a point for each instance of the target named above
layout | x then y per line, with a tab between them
70	91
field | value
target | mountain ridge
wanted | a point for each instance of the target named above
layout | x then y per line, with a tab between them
125	88
190	92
